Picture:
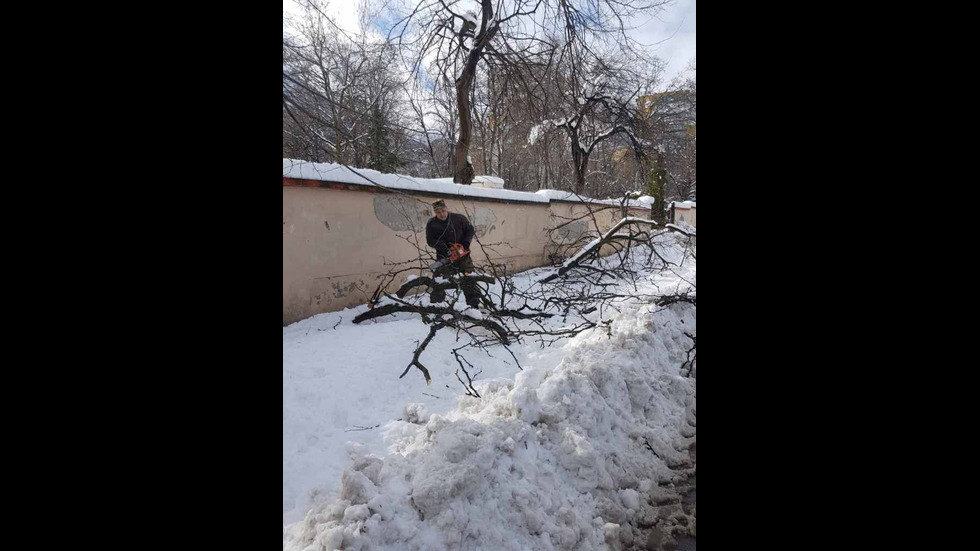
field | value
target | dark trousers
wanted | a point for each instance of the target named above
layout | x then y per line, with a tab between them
456	272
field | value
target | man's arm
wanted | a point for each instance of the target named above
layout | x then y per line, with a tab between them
432	238
468	233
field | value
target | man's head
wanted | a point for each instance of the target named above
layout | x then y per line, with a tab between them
441	211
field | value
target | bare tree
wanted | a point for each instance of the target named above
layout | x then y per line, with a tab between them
461	36
341	97
557	97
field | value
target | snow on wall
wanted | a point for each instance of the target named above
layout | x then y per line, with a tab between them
303	170
643	202
326	172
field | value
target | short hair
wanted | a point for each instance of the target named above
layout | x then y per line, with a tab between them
440	204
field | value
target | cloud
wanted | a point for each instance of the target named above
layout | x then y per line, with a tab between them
672	35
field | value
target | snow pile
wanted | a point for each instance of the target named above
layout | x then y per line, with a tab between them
340	383
559	195
643	202
566	456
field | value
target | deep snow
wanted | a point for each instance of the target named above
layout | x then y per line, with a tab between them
555	457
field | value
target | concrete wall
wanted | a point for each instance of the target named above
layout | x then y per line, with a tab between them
337	239
686	215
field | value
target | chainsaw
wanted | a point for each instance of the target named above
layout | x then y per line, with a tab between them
456	252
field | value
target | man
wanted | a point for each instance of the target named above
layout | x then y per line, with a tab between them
443	231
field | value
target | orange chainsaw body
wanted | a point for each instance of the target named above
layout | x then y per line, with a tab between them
456	251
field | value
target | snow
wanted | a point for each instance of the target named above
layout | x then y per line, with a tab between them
685	205
486	187
473	313
558	195
632	203
490	182
539	130
327	172
587	249
635	219
578	256
552	457
485	182
536	133
684	227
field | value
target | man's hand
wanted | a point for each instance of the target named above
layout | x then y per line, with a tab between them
457	251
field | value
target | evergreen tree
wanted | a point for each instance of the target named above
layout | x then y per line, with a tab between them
380	156
657	185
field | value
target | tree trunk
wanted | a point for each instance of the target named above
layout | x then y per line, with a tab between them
581	162
463	169
580	178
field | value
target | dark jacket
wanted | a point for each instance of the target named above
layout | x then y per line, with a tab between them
456	229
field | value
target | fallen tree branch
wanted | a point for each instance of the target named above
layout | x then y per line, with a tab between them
389	309
675	299
432	284
418	353
592	249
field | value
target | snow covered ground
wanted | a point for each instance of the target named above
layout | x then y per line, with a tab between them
567	454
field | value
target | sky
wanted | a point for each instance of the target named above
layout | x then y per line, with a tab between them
672	33
675	33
